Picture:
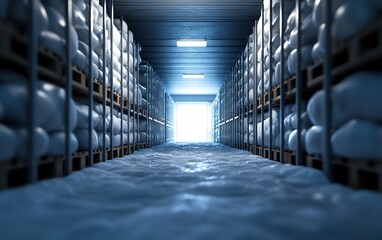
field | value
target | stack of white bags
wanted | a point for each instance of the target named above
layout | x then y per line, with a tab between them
248	68
356	118
51	26
263	54
349	18
290	126
50	121
50	133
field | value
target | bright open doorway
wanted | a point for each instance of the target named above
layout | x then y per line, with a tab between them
192	122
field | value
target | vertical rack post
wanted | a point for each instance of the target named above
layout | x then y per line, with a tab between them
298	84
111	78
68	88
270	93
152	108
149	112
229	132
262	77
225	113
90	87
134	103
238	73
122	95
32	86
232	115
147	104
229	129
165	117
231	123
247	92
236	82
128	90
254	87
327	90
234	107
164	127
220	116
233	99
104	84
282	70
242	100
136	69
237	105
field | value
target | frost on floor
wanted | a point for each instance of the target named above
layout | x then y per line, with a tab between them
190	191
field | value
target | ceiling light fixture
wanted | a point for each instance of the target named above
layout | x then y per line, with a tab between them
191	43
193	75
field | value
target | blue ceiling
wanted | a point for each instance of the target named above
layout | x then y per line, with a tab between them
158	24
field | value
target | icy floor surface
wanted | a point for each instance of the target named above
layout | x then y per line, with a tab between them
190	191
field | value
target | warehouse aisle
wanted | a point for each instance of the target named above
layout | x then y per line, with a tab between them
190	191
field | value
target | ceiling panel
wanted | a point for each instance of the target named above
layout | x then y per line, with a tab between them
157	24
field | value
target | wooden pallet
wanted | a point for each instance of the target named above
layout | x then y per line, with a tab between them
132	149
248	108
113	97
351	172
313	161
264	154
275	98
276	154
357	173
14	173
125	150
97	156
362	52
276	93
117	152
125	103
142	112
251	148
97	91
79	77
14	55
80	160
290	157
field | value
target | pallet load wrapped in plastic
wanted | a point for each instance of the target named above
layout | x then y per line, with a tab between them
50	132
248	71
275	128
143	131
82	127
98	108
115	132
248	131
356	118
290	124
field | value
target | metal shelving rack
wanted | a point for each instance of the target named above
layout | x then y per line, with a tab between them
159	107
169	118
293	89
17	172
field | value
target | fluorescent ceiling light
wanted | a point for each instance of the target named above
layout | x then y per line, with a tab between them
191	43
193	75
